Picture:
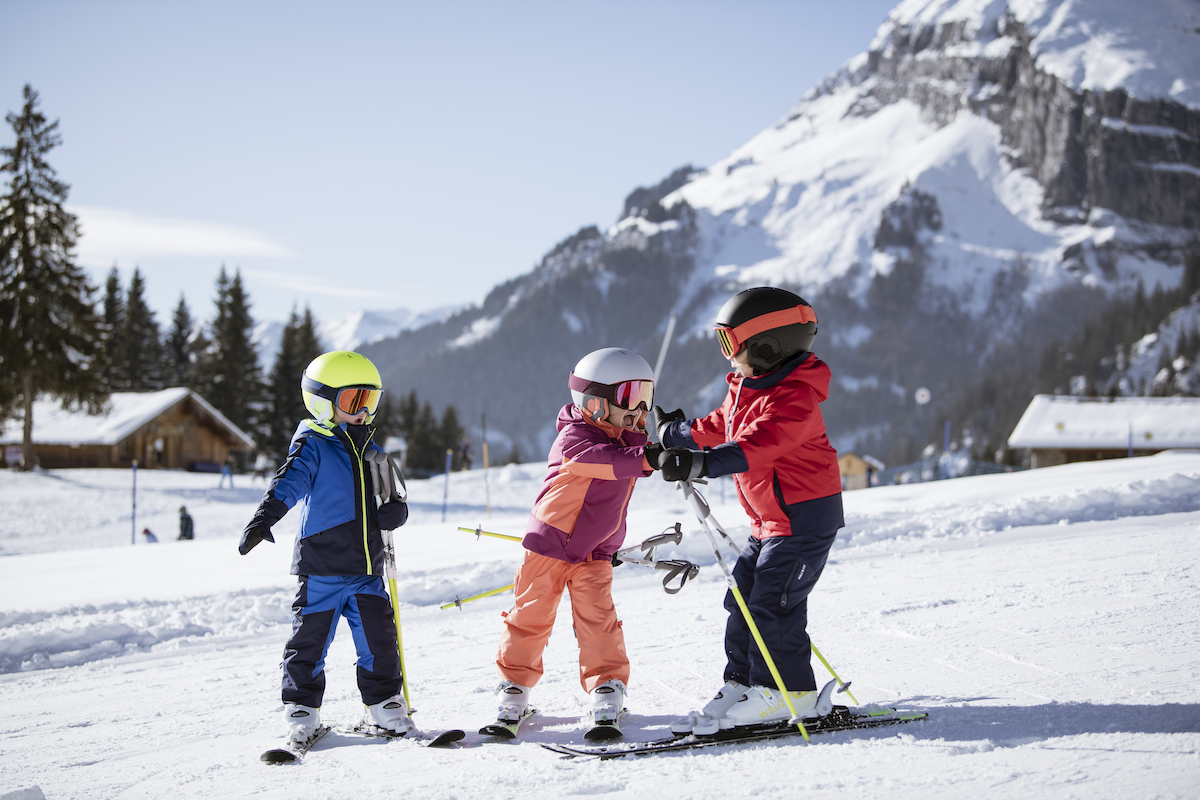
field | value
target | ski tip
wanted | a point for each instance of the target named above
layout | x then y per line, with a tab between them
603	733
279	756
498	731
447	738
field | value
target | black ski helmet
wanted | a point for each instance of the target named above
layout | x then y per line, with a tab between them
772	324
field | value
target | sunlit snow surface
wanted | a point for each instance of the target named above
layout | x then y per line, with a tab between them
1049	621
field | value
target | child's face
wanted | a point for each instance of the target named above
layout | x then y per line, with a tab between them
624	418
740	362
340	416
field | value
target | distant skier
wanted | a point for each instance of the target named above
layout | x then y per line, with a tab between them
226	473
262	466
769	434
339	555
187	530
577	525
150	537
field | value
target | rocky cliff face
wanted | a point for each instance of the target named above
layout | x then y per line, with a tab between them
1139	158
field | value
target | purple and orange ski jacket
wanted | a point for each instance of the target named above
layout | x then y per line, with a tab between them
580	512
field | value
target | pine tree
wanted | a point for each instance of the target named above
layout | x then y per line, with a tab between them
450	433
179	348
282	394
424	450
51	338
285	404
114	324
232	379
140	342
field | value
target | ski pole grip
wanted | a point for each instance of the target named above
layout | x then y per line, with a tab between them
397	479
377	479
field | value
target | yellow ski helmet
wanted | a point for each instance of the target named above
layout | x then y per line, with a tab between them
346	379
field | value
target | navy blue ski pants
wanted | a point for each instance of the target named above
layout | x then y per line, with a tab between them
320	601
775	577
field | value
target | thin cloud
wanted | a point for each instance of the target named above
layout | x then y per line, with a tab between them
110	235
308	284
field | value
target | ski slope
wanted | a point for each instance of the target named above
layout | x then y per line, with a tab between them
1049	622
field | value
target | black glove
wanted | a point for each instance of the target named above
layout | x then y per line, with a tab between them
392	515
681	464
654	455
254	534
616	559
664	419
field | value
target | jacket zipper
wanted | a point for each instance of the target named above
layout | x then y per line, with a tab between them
362	495
729	431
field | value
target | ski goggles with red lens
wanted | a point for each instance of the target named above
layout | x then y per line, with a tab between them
349	399
734	339
626	394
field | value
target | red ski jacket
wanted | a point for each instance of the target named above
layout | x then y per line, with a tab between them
775	420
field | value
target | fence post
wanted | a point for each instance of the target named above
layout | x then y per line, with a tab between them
446	490
133	516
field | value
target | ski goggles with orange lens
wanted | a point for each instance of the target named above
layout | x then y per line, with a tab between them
626	394
350	399
355	399
734	339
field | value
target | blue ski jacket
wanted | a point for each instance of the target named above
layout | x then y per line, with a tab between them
339	532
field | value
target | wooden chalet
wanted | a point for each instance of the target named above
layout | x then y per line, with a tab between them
1058	429
169	429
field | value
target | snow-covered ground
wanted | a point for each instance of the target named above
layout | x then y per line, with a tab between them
1048	621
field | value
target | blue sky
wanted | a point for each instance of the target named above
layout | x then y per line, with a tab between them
386	155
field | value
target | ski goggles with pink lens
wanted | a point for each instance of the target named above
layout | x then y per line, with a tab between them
626	394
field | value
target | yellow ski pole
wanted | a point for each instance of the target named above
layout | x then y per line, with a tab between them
480	532
700	506
390	570
459	603
843	686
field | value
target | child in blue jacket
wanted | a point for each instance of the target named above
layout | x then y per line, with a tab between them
339	554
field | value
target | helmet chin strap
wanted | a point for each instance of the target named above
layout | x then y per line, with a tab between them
597	408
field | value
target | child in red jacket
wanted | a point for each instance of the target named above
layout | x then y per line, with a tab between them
577	525
770	436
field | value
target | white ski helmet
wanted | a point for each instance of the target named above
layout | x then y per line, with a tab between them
612	375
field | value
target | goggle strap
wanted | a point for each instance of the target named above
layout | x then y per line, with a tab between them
736	337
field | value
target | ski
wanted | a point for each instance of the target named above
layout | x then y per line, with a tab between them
293	751
443	739
840	719
605	730
502	729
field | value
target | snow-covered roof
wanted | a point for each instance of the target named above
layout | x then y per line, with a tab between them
1073	423
125	413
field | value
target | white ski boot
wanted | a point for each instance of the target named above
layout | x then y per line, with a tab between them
608	701
706	721
302	722
762	704
512	698
608	704
391	715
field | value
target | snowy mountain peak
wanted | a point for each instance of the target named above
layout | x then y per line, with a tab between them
986	169
1146	49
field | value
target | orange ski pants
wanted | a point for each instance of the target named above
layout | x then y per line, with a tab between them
538	588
